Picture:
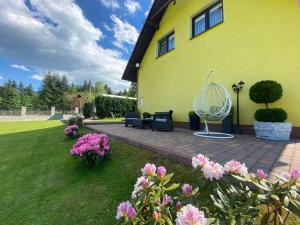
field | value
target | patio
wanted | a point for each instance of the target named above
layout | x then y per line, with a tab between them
274	156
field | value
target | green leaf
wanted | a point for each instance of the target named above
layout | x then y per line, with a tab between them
173	187
167	219
265	219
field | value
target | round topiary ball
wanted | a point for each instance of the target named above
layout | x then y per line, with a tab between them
267	91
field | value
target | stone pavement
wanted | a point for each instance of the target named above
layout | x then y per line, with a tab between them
272	156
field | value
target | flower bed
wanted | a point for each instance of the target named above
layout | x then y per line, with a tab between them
155	200
92	147
71	131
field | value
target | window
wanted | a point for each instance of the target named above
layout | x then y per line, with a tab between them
166	44
207	19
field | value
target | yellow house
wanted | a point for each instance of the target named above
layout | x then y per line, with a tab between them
249	40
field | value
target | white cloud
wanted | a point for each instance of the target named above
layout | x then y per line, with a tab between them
20	67
132	6
53	38
1	77
124	33
146	13
110	4
37	77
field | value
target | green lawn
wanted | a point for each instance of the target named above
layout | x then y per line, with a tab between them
40	183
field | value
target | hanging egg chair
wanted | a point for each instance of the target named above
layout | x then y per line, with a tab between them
212	103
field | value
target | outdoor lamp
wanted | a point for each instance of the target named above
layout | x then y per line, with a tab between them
237	88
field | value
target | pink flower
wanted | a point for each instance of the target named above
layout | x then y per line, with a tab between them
149	169
145	183
199	161
131	213
187	190
156	215
235	167
167	199
261	174
294	175
178	205
161	172
212	170
190	215
125	210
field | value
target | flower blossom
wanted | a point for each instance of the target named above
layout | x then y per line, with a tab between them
141	183
293	175
187	190
149	169
212	170
190	215
167	199
98	143
178	205
235	167
199	161
71	130
261	174
156	215
161	172
125	209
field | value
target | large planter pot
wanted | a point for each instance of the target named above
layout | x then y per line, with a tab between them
194	122
273	131
227	125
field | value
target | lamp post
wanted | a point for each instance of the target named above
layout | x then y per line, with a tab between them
237	88
79	102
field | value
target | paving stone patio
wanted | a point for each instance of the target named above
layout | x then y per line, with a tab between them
272	156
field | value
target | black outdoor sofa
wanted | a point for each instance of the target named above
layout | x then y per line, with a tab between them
161	121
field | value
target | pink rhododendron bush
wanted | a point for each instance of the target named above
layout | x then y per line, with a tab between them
71	131
92	147
225	194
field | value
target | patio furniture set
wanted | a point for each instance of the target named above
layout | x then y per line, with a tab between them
160	121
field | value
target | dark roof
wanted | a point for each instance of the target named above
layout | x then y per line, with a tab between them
150	26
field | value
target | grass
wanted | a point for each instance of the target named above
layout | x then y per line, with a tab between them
40	183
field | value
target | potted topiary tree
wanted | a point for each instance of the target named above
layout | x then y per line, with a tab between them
269	122
194	121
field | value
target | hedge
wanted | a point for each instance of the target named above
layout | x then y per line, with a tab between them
88	110
107	107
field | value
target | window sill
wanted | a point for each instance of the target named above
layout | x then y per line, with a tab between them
165	53
206	30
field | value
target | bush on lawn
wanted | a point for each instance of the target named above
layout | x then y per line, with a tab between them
71	131
107	107
92	147
76	120
88	110
154	199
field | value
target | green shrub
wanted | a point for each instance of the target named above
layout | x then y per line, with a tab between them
270	115
118	107
192	114
146	115
87	110
76	120
267	91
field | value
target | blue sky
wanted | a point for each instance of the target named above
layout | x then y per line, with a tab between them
84	39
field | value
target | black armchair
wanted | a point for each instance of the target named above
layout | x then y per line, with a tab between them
163	121
130	117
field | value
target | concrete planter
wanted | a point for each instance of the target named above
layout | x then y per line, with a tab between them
273	131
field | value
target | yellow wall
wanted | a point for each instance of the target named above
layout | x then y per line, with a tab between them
258	40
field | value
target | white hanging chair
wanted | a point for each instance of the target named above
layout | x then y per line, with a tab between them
212	103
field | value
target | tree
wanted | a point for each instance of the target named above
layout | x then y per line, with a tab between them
10	96
107	89
53	88
132	92
99	88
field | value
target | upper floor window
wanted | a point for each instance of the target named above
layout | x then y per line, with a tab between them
207	19
166	44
